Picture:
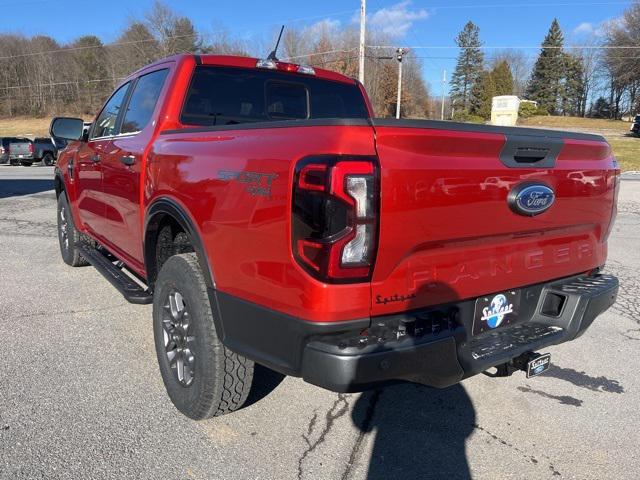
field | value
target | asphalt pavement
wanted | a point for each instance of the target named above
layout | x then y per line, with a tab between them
81	395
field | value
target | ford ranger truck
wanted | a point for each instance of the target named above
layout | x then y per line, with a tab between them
269	217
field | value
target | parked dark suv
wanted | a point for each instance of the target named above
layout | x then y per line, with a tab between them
4	147
635	128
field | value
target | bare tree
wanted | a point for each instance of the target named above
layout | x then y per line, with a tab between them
38	76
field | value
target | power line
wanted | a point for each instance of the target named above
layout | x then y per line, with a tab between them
511	47
150	40
306	55
89	47
56	84
429	57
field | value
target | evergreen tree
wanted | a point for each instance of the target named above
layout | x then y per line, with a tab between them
502	79
574	94
184	38
469	66
600	109
546	86
482	95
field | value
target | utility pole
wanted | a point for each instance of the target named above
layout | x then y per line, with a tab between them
400	52
444	82
363	20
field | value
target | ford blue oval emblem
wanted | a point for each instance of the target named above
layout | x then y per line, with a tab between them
531	199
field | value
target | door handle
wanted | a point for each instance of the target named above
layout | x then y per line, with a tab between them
128	160
95	158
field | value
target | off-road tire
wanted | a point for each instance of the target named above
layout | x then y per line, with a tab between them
68	250
221	379
47	160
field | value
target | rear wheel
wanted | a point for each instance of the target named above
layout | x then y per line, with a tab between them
25	164
68	236
47	159
202	377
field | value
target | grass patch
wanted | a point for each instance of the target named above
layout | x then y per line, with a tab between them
26	126
627	151
625	148
593	124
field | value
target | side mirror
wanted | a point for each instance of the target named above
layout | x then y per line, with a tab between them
66	128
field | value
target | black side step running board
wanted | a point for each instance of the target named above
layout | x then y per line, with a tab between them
131	291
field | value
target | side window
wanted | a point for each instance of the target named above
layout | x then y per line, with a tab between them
105	125
143	101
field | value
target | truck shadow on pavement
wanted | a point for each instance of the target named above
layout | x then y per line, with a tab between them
19	187
420	432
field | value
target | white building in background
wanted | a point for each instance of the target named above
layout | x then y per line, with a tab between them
504	110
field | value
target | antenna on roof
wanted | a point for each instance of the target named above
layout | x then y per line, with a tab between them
272	55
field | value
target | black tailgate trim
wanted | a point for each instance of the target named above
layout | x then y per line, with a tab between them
480	128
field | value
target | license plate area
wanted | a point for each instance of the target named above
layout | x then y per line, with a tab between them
538	365
496	311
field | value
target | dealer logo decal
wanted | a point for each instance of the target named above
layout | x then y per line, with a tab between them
495	313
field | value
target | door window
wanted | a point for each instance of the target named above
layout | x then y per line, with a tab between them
105	125
143	101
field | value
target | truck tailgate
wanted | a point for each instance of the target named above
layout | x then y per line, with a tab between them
447	229
20	148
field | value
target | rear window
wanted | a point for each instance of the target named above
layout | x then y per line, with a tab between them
7	140
229	96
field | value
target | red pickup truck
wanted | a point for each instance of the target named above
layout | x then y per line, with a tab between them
270	218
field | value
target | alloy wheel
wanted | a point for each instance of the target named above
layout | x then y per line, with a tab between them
179	341
64	228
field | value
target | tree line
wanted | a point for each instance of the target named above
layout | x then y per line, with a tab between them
39	76
601	79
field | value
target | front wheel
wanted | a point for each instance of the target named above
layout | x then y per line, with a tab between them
47	160
202	377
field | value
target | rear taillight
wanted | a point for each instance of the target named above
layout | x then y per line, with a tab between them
335	217
615	179
31	148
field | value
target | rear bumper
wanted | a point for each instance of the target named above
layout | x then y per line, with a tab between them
433	346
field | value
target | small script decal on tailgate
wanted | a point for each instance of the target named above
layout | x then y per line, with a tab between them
258	184
394	298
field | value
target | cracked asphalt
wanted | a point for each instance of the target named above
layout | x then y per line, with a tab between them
81	395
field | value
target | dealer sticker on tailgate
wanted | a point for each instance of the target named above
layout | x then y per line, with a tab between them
496	311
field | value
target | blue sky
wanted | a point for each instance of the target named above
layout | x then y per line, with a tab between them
422	23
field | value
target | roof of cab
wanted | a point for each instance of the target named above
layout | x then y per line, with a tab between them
242	62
